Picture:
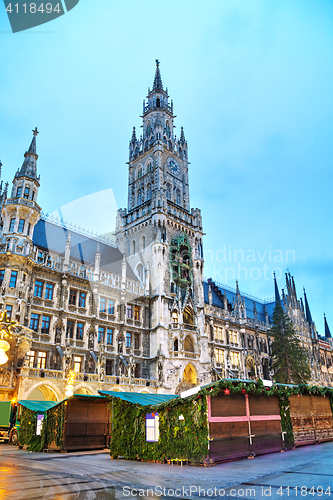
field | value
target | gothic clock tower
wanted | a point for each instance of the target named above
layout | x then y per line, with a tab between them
162	239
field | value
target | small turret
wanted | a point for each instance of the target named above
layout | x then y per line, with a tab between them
277	294
327	330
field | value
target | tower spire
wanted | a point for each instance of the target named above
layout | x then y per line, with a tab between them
29	166
277	294
327	330
307	309
157	85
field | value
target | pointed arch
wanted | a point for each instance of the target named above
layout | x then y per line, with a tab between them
188	344
133	247
188	316
190	374
143	242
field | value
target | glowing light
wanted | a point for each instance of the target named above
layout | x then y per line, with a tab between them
70	384
4	346
227	391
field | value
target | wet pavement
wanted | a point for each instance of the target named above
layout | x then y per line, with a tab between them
306	472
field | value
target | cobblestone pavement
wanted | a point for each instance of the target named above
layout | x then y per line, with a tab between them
306	472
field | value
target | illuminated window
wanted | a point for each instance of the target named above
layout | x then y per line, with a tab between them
219	355
234	358
41	360
137	313
175	317
31	358
77	364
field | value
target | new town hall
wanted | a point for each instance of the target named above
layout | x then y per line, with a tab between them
136	315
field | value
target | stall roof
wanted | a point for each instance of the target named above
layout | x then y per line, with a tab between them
140	398
39	406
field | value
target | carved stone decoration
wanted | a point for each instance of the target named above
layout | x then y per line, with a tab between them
160	365
67	360
101	364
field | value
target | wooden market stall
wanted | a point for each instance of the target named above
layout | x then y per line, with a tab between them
77	423
224	420
311	417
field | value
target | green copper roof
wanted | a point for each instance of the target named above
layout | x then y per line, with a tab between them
139	398
38	406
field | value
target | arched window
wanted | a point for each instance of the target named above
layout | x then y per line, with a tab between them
168	192
148	192
140	271
175	345
188	316
167	129
188	344
149	168
133	248
158	102
178	196
139	172
139	198
149	130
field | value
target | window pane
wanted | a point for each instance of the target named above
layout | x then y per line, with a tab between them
128	340
46	324
38	288
26	192
12	225
70	329
129	311
49	291
9	310
19	191
82	299
137	313
79	331
101	332
109	336
21	225
72	297
102	304
41	360
13	278
111	307
34	322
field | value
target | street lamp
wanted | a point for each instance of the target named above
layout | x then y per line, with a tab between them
5	333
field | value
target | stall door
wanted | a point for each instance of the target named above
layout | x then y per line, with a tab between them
311	418
86	424
242	425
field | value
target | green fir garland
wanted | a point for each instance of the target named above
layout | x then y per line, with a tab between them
179	439
27	433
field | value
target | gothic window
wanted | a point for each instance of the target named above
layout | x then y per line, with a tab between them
149	166
149	130
46	324
26	193
188	316
178	196
158	102
167	129
143	242
139	198
188	344
148	192
21	225
133	248
175	345
139	172
19	191
12	225
140	271
168	192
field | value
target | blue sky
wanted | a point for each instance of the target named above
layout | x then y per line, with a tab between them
252	85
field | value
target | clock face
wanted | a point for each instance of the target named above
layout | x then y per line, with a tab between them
173	166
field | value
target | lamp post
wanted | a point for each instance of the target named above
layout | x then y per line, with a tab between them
5	333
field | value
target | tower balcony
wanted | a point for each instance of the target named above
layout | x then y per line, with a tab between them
23	202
